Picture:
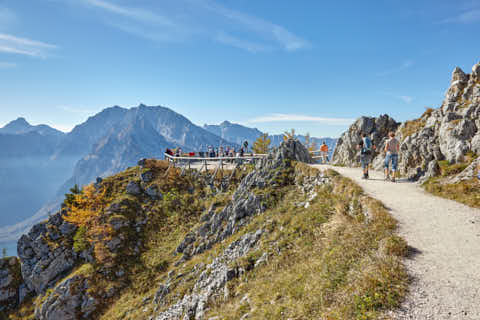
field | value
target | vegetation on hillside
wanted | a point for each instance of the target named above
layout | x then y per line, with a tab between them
332	256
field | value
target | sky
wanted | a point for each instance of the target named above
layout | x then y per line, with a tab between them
312	65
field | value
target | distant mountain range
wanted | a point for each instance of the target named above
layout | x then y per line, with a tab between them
106	143
237	133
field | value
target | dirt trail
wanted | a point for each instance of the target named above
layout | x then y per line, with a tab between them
445	240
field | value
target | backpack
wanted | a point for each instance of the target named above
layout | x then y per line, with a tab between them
367	143
367	146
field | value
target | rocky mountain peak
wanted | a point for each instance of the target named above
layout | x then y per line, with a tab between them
459	75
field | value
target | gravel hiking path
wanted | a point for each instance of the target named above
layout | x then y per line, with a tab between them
444	241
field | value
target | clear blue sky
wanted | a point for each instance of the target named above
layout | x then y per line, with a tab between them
272	64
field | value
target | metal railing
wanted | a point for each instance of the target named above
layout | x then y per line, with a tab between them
187	161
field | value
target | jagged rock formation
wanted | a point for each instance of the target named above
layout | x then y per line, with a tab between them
43	263
449	133
346	152
211	280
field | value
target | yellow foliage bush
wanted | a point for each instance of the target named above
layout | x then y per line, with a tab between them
84	212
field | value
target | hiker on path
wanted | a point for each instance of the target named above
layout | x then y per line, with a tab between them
366	151
324	152
391	150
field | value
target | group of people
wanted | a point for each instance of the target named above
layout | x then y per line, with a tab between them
212	152
391	149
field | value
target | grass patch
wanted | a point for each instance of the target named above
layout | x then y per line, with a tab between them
411	127
325	262
466	192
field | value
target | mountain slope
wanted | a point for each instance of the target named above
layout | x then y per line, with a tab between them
167	245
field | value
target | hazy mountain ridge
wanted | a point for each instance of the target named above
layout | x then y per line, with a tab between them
21	126
104	144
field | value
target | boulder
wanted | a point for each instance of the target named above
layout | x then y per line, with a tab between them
43	263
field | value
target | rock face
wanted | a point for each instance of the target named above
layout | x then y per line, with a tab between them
346	152
211	280
245	202
11	284
447	133
46	253
70	300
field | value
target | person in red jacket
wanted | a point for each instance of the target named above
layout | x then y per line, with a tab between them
324	152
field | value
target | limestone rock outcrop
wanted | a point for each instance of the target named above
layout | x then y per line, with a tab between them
46	253
346	152
70	300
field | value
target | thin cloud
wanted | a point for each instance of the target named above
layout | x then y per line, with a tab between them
198	18
7	65
23	46
131	12
253	47
285	38
405	65
282	117
466	17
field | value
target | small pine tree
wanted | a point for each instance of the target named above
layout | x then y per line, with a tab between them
70	197
4	252
288	135
262	144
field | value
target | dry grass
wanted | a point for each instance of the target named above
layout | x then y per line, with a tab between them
325	262
466	192
411	127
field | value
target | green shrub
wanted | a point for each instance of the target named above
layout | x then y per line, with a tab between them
80	241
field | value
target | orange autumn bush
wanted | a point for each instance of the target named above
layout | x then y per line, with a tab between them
84	211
